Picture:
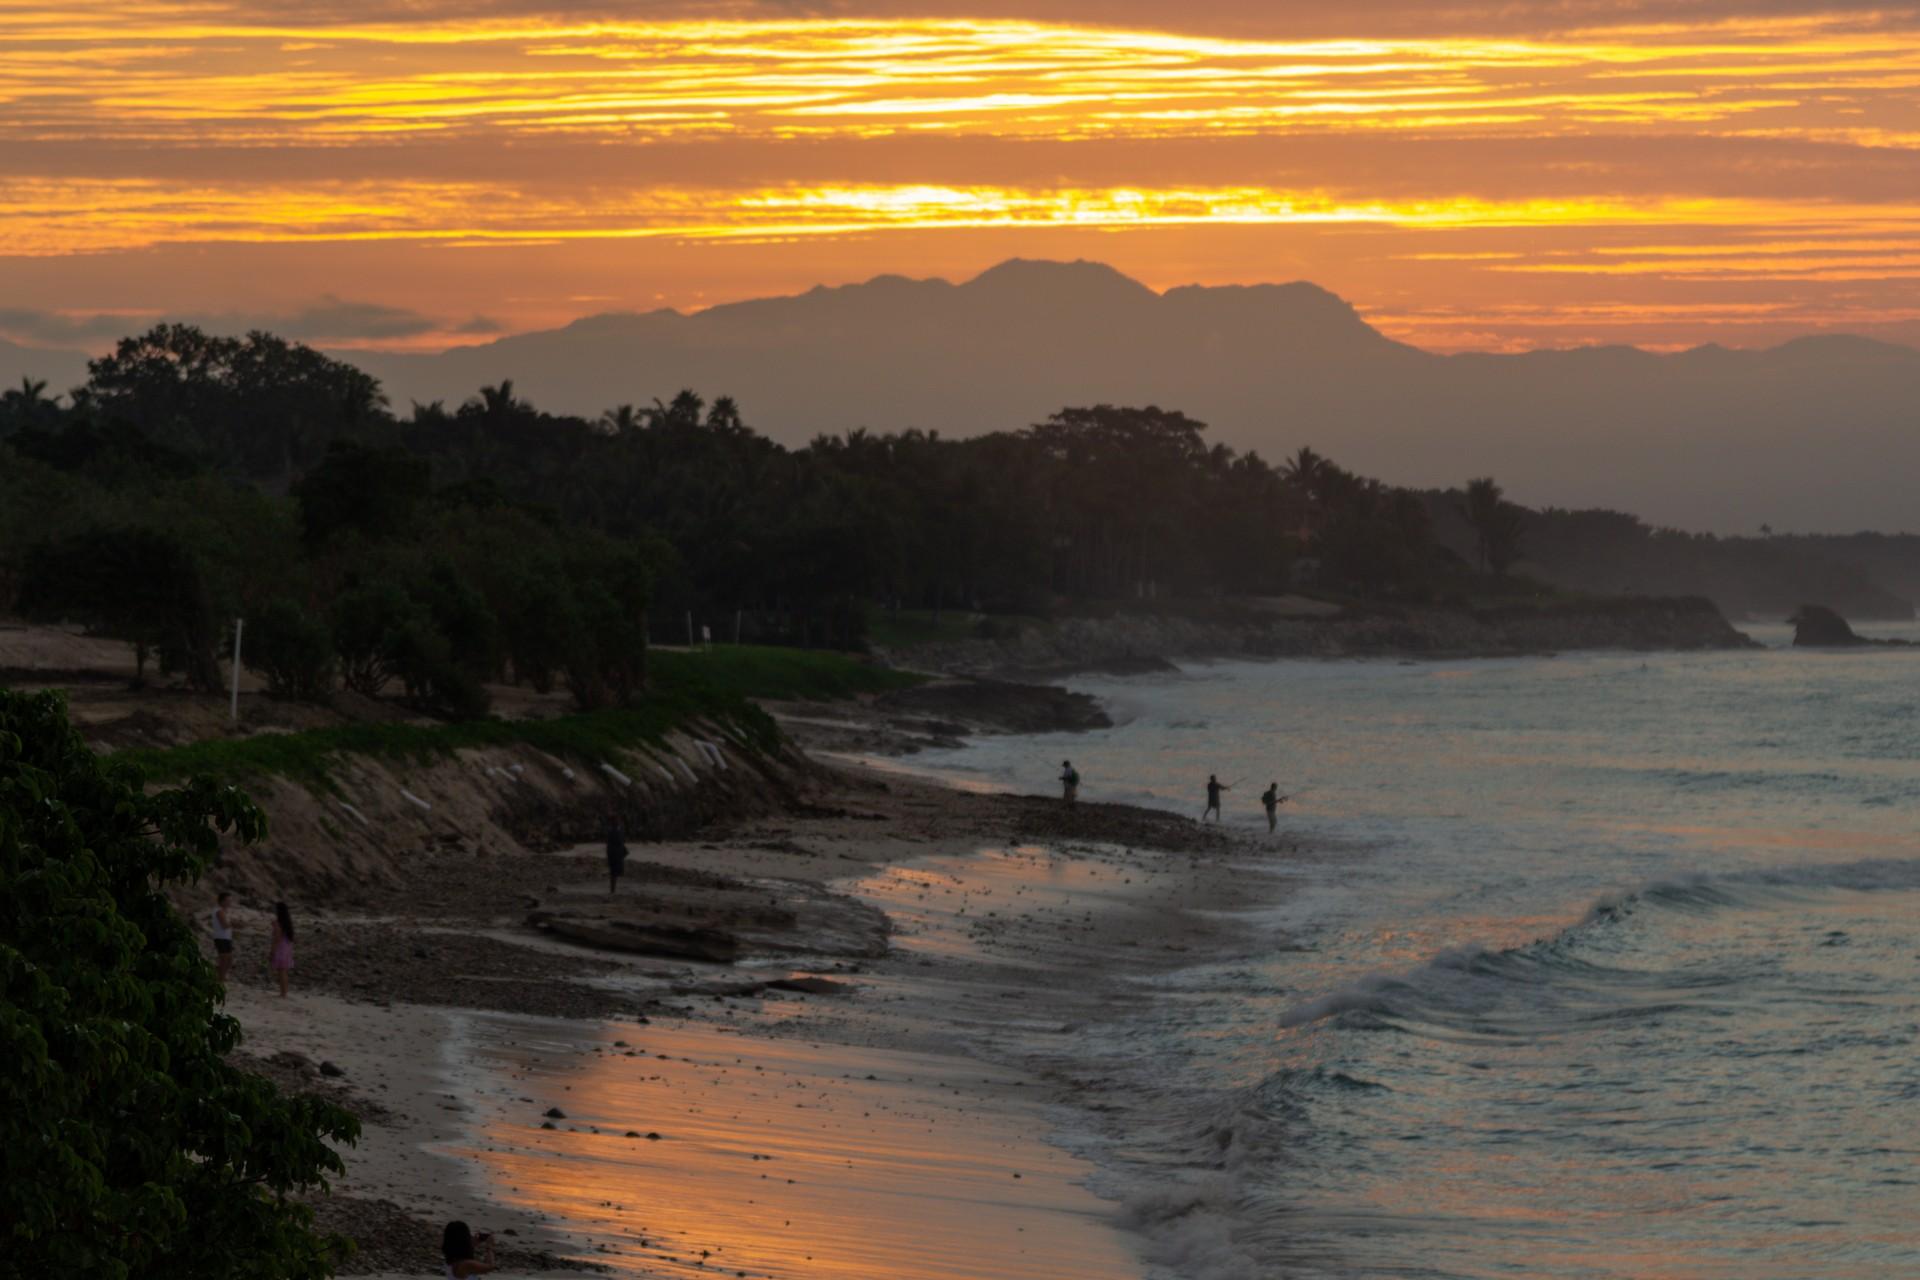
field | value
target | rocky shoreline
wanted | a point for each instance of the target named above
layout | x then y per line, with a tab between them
976	900
1142	641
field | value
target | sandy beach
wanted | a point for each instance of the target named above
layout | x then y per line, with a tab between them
820	1107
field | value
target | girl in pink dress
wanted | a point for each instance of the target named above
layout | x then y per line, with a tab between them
280	957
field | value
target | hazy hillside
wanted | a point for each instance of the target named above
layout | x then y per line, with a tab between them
1819	434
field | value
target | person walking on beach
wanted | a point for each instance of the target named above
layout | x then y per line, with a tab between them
1069	782
1272	799
1214	788
222	926
616	851
280	951
458	1250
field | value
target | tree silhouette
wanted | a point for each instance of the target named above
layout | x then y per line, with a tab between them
1497	524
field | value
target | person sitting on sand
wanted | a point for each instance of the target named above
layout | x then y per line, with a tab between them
1069	781
280	950
222	925
1272	799
457	1247
616	851
1214	788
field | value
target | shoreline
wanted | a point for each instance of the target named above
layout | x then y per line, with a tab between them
1013	922
1132	642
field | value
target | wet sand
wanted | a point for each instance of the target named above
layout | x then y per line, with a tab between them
890	1121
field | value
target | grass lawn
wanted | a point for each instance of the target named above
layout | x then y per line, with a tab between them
718	685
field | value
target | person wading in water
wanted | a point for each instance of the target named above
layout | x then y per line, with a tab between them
1069	782
616	852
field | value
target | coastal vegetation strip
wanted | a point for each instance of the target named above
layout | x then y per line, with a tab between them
718	686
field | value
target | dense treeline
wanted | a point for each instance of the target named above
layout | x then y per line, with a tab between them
194	479
1769	576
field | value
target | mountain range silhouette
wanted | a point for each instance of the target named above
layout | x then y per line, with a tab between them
1818	434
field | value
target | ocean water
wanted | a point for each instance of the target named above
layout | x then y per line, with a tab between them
1597	965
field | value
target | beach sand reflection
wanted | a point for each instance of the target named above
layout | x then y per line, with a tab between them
776	1157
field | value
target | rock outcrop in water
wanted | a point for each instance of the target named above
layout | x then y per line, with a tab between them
1817	627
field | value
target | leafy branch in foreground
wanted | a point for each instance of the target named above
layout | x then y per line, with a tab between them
129	1143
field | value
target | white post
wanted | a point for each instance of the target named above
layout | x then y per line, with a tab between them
239	624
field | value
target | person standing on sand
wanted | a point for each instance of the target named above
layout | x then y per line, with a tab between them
457	1250
222	926
616	851
1214	788
1272	799
280	951
1069	782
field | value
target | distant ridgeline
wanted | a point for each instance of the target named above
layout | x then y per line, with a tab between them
195	478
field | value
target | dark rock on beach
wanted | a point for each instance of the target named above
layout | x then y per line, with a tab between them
688	916
387	1238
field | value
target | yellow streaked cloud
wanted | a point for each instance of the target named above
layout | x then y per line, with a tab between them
1731	157
282	81
46	217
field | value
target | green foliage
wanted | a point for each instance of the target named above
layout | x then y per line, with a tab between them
1497	524
129	1145
461	615
538	628
259	405
371	624
292	647
114	451
27	407
683	687
606	624
373	492
135	584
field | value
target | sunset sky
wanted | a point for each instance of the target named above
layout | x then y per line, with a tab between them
1470	175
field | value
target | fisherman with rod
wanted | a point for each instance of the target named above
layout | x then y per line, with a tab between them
1214	788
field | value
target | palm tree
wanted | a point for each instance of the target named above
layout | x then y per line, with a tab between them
1304	470
1496	524
621	420
498	403
26	405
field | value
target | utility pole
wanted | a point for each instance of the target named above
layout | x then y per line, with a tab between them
239	624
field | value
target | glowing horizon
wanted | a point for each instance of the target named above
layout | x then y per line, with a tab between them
1653	180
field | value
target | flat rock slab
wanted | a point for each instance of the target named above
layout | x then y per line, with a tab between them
607	932
720	922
